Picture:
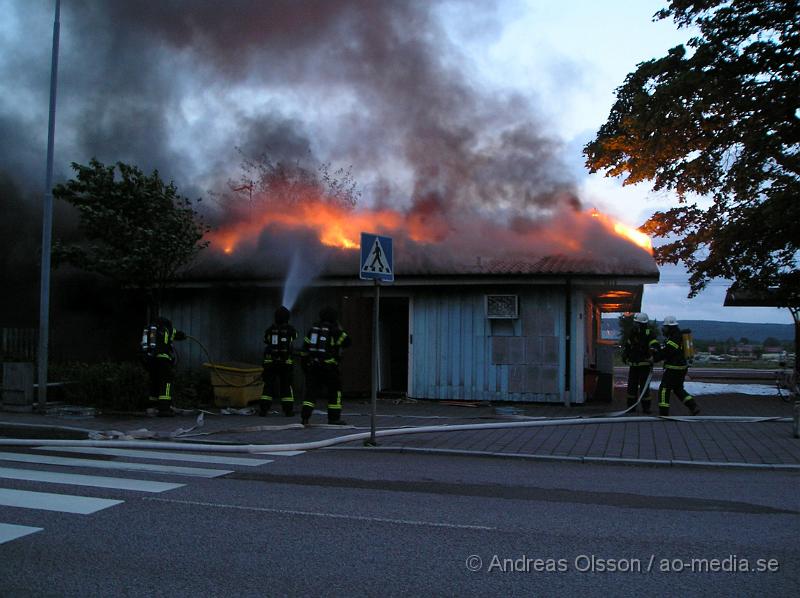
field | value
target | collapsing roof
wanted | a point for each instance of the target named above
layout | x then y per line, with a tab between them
317	244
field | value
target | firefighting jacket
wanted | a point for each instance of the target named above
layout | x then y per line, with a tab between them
278	340
671	351
639	345
324	344
165	336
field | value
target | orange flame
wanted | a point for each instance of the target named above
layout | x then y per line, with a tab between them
633	235
335	226
339	226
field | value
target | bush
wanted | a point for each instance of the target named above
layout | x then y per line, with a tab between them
124	386
106	385
193	388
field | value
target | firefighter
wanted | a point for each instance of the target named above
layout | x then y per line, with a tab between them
159	360
322	350
637	352
675	368
278	364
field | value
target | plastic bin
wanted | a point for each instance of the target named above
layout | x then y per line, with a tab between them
235	384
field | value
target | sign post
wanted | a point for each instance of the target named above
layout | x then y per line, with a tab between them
377	263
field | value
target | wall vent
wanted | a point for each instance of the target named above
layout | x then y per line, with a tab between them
502	307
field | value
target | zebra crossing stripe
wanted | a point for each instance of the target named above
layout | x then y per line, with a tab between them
98	464
10	532
76	479
63	503
281	453
165	455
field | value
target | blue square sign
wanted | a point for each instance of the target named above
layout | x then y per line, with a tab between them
376	258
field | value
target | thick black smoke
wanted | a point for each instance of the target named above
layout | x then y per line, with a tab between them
372	84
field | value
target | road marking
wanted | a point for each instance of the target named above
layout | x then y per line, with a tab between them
326	515
10	532
86	480
95	463
170	456
46	501
282	453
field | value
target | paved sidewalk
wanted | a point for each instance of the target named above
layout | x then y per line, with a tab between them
518	431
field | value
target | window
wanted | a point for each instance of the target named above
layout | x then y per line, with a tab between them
502	307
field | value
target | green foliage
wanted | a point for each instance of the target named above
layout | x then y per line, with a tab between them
105	386
112	386
193	388
136	229
718	119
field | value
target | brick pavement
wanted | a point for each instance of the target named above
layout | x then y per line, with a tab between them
694	441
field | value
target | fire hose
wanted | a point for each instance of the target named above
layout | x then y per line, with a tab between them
642	395
606	418
305	446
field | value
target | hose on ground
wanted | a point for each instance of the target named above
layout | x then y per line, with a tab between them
305	446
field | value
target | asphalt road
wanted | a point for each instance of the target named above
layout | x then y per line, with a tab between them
354	523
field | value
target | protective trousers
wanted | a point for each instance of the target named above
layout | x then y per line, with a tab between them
277	378
161	373
637	378
325	381
672	381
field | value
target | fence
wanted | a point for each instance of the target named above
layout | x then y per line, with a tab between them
18	344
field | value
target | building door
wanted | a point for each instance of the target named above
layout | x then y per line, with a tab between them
393	351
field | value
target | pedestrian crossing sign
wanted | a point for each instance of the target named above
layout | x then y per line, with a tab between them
376	258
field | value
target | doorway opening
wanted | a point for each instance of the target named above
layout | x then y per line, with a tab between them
393	350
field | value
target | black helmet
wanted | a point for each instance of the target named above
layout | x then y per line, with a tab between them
282	315
162	321
328	314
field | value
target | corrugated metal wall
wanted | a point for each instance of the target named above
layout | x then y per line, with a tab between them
230	323
459	354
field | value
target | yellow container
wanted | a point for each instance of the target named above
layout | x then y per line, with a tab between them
235	384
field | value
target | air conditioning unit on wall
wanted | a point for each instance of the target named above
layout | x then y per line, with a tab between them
502	307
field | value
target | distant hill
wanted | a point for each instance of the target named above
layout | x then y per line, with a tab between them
709	330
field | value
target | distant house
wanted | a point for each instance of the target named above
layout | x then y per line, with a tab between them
743	350
516	329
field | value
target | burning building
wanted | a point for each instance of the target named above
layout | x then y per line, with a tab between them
479	310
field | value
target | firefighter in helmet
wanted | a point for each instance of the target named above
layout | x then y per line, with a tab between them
322	350
278	364
159	360
637	353
675	368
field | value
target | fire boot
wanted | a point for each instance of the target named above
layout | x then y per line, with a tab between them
288	407
646	406
691	404
305	414
335	418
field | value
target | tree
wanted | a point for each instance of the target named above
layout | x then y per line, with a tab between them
718	120
265	180
136	229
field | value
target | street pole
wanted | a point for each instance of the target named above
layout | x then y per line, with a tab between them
375	345
47	225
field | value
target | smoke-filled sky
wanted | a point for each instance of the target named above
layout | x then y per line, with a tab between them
459	107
